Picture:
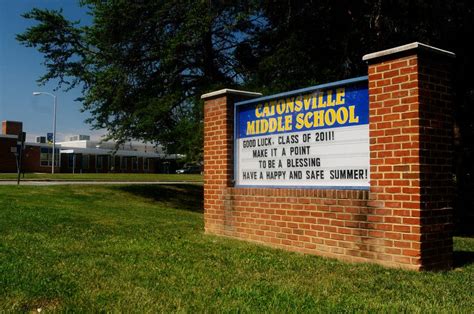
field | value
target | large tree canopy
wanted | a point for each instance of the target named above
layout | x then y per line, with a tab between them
143	65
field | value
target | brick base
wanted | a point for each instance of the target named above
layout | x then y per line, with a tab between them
331	223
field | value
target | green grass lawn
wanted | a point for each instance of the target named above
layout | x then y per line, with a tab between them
132	177
142	248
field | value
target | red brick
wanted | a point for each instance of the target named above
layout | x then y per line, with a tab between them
390	74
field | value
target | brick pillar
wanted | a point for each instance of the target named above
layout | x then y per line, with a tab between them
411	135
218	153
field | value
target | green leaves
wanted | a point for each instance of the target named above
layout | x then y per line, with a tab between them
60	42
143	64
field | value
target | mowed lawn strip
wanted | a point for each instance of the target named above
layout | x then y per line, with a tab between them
142	248
126	177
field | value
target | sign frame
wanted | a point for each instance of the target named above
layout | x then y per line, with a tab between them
302	91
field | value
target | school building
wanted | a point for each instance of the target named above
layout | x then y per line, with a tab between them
80	154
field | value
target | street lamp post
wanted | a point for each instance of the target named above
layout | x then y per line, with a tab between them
54	126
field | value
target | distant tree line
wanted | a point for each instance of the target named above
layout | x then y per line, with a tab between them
142	65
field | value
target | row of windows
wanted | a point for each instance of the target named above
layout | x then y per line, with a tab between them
113	162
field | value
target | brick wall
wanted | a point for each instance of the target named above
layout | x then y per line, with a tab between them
323	222
404	220
411	155
218	154
394	152
7	158
436	159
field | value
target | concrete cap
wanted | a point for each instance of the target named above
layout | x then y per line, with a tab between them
231	92
412	46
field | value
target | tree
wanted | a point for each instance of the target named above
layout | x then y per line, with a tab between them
143	65
310	42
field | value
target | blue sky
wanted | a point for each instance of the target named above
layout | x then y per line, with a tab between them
20	67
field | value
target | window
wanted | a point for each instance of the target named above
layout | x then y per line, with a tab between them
85	161
111	163
70	161
134	163
146	164
99	161
117	163
46	157
123	163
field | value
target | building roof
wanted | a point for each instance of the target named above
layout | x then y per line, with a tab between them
9	136
124	153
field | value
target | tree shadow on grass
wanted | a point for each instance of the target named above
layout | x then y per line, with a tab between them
180	196
462	258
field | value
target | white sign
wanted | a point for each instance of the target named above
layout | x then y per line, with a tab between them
319	139
330	158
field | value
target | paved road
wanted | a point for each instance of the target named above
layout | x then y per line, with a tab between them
65	182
